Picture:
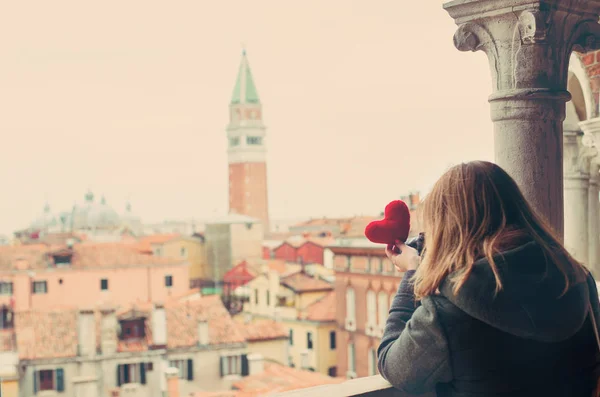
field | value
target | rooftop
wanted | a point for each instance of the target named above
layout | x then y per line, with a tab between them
84	255
257	330
54	333
301	282
321	310
274	379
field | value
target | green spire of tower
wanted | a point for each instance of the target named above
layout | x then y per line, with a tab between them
245	89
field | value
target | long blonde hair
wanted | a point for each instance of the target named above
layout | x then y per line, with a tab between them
466	217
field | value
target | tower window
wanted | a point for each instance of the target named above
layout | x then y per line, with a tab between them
234	141
254	140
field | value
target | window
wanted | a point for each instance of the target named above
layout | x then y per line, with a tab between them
268	298
185	368
351	366
254	140
350	304
49	380
168	281
383	308
372	362
301	260
232	365
183	252
309	340
157	251
380	265
348	262
272	254
6	318
133	329
291	337
332	371
371	308
332	340
6	288
104	284
256	296
131	373
61	260
235	141
40	287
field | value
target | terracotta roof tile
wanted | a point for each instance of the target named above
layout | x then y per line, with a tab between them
321	310
145	243
46	334
261	329
278	378
275	379
7	340
183	318
302	282
85	255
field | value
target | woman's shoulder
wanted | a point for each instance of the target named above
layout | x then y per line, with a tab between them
447	311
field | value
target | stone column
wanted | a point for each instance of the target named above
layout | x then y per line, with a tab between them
592	128
594	218
528	44
577	159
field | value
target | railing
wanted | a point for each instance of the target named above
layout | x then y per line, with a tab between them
372	386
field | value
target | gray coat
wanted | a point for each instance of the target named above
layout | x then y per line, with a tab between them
525	341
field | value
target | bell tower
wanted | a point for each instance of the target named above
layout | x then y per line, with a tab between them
246	151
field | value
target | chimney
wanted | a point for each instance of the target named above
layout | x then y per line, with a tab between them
108	332
86	333
256	364
172	375
159	325
203	337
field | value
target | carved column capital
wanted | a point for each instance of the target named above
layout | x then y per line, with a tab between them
528	43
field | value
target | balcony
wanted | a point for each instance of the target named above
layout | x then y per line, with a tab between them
372	386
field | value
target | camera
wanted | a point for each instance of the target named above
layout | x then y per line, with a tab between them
417	242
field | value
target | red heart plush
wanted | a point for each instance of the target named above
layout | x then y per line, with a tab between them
395	224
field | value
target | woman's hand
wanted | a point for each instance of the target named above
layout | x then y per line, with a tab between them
407	259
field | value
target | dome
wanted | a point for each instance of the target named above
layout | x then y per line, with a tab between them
94	215
47	220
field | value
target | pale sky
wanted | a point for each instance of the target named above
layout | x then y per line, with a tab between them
363	100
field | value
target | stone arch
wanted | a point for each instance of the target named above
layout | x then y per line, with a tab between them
581	90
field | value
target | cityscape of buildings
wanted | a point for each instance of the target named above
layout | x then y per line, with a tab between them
96	302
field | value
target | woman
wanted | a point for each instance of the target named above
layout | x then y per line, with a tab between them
495	306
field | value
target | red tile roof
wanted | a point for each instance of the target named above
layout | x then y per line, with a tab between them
261	329
46	334
7	340
275	379
302	282
54	333
145	243
183	318
321	310
85	255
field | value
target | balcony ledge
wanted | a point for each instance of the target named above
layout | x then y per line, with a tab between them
372	386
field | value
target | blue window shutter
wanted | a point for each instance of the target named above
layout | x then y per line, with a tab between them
35	382
143	373
245	367
60	379
126	373
119	380
190	369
